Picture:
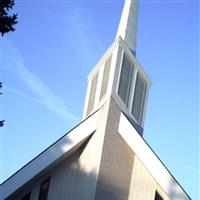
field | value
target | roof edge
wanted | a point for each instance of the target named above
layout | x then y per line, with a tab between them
150	159
53	153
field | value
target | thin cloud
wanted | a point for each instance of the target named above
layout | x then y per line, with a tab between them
182	165
84	33
22	94
42	92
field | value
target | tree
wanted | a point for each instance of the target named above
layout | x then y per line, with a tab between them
1	121
7	22
6	25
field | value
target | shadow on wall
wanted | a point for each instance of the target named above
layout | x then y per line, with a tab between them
68	181
85	188
72	181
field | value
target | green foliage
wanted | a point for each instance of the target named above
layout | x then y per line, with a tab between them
1	121
7	22
1	87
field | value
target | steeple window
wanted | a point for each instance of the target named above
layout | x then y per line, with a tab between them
92	94
105	79
44	188
125	79
139	98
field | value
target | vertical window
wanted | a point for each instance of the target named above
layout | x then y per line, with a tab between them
125	79
106	74
92	94
27	196
44	188
158	197
139	98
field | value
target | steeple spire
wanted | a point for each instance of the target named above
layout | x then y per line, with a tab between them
119	76
128	24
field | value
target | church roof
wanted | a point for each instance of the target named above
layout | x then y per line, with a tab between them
71	142
63	147
150	160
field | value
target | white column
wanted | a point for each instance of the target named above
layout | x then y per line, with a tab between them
128	24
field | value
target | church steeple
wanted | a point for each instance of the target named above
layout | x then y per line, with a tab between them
119	76
128	24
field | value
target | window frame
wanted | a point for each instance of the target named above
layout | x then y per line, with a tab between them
89	108
138	73
105	77
126	103
45	195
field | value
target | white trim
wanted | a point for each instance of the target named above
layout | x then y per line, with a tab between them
136	63
132	91
127	108
113	51
97	91
150	160
65	146
87	98
128	23
117	49
130	79
123	44
104	57
144	112
115	56
101	71
118	74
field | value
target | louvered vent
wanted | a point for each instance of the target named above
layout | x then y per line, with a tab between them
125	79
92	94
139	98
106	73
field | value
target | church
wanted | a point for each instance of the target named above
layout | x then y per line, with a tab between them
104	157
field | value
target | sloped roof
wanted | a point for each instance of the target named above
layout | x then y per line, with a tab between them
65	146
150	160
71	141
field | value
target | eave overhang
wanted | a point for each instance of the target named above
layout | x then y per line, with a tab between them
65	146
150	160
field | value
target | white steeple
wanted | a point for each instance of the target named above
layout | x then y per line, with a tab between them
128	24
119	76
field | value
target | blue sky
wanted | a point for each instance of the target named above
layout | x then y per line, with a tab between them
45	62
